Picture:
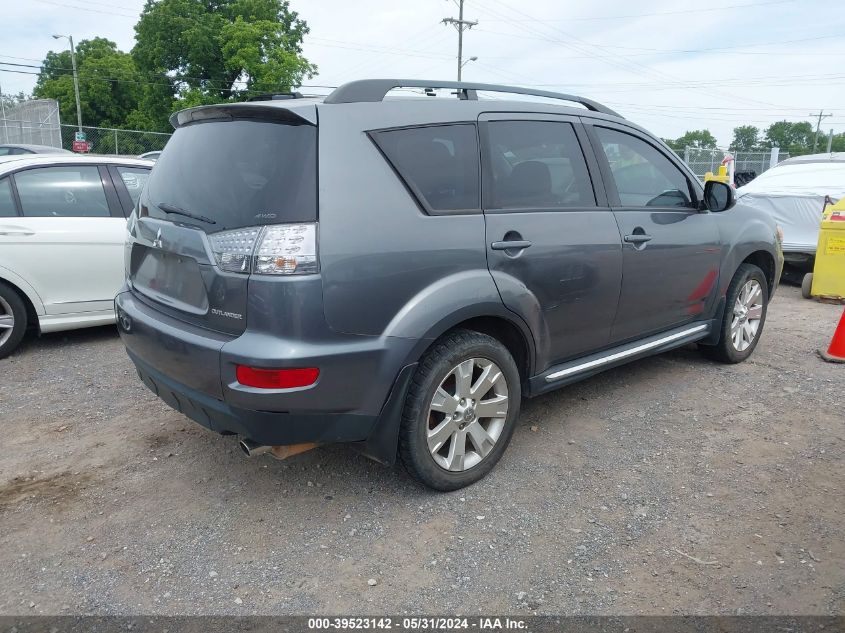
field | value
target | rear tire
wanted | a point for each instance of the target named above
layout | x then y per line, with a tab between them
12	319
747	301
460	412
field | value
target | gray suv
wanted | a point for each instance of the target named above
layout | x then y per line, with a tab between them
398	273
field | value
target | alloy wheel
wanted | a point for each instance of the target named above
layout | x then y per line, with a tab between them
747	315
467	414
7	321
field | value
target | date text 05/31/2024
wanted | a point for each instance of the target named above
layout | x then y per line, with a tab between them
417	623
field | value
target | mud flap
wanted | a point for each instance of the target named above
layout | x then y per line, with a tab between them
383	442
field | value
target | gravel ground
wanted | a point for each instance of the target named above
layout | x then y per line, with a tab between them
673	485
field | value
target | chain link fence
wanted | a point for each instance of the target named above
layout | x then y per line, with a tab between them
702	160
103	140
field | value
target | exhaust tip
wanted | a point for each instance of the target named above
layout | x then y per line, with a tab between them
251	449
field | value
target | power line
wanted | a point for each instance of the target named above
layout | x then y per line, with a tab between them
78	8
183	78
93	77
682	50
707	9
583	46
357	68
382	51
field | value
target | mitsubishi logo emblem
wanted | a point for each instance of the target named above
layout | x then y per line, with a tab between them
157	241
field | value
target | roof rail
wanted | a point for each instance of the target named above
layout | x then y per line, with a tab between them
371	90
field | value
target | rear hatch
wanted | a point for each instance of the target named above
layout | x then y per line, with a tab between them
227	176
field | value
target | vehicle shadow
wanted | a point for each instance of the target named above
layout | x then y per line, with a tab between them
33	342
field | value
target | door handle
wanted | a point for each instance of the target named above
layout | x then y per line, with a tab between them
15	231
507	245
638	238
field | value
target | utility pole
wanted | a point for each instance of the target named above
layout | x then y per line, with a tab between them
830	141
821	115
69	38
461	25
5	124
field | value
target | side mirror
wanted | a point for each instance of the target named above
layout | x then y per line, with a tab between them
718	196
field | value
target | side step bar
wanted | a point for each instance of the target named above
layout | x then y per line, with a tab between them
580	368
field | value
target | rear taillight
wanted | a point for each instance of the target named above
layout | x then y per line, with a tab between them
281	249
287	249
233	249
276	378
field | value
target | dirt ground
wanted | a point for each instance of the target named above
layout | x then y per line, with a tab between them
672	485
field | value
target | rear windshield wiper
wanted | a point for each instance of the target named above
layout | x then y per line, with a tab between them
171	208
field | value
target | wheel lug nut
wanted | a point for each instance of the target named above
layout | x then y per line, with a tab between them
463	402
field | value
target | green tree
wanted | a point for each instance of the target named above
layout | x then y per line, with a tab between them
694	138
208	51
789	136
838	144
746	138
109	83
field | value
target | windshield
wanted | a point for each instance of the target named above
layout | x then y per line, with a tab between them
237	173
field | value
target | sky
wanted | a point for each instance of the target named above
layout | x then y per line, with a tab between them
669	65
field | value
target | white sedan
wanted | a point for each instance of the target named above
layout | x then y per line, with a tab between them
62	228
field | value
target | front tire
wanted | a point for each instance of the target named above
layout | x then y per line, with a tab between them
12	320
460	412
747	301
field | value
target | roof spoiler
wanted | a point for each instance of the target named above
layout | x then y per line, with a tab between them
229	111
374	90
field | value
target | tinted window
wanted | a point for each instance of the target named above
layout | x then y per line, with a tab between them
644	177
68	191
134	178
439	163
537	164
5	151
238	173
7	203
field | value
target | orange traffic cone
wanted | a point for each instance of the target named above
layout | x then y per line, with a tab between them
836	352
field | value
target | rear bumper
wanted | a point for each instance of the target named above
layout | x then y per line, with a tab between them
264	427
193	371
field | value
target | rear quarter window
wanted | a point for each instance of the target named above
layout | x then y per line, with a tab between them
438	163
134	179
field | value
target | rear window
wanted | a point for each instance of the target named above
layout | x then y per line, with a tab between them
439	163
238	173
537	164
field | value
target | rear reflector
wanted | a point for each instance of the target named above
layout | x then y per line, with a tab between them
276	378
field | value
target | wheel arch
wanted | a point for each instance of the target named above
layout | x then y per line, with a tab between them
492	319
765	262
32	308
759	257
